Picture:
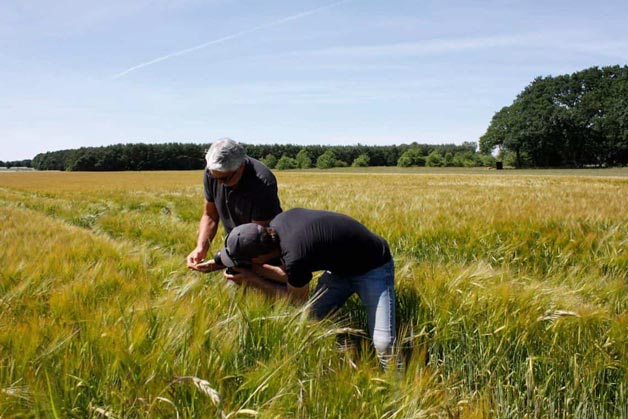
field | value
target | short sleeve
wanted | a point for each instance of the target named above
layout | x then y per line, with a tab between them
298	276
266	203
209	188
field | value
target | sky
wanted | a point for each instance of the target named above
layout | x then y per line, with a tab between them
91	73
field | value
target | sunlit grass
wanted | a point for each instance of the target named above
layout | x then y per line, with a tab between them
512	300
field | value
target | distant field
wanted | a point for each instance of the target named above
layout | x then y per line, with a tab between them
512	300
613	171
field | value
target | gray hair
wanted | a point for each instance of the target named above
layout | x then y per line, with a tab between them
225	155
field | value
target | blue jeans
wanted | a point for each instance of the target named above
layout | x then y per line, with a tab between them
376	291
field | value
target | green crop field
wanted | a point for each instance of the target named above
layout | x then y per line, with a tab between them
512	291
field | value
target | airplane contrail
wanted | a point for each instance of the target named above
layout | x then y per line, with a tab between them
227	38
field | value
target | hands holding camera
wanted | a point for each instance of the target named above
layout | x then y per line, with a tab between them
196	261
238	275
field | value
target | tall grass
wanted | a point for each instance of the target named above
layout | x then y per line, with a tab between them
512	301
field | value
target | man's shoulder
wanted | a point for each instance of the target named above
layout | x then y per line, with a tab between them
310	214
292	218
258	170
291	213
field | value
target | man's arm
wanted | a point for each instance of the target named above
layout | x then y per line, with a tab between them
207	228
271	280
274	273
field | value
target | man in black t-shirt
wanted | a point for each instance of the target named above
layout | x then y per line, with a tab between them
238	190
355	260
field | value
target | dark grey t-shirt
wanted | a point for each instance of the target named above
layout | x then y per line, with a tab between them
253	198
312	240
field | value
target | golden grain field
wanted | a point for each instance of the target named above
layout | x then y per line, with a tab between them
512	293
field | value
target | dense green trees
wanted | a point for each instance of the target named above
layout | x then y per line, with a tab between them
411	157
16	163
177	156
270	161
170	156
304	161
435	159
570	120
308	156
361	161
286	163
327	160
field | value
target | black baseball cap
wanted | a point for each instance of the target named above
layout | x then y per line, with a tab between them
243	244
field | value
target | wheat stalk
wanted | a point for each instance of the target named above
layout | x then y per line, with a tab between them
203	386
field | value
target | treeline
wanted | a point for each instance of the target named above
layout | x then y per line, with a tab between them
16	163
572	120
169	156
179	156
292	156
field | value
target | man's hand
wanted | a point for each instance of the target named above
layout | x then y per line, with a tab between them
207	266
195	257
207	228
241	275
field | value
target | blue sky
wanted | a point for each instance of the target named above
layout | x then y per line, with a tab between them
91	73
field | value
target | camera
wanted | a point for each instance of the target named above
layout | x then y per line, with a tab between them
217	259
231	271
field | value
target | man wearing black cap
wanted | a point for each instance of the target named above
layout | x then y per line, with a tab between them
355	260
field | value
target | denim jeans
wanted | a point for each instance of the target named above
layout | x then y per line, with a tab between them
376	291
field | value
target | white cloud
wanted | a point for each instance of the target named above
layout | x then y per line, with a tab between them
228	38
564	41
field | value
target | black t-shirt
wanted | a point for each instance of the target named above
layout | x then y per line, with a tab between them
254	198
312	240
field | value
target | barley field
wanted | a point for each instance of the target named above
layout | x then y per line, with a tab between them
512	301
